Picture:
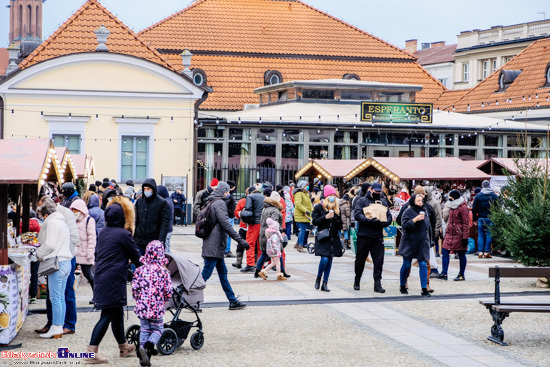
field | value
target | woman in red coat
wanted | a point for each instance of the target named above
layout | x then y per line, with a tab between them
456	236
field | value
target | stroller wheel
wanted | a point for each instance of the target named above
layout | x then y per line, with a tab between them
132	335
168	342
197	340
311	248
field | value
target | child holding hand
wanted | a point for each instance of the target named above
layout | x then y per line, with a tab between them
274	248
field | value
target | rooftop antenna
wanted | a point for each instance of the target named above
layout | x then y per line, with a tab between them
543	13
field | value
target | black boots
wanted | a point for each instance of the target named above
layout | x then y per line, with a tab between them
285	274
256	273
317	282
356	283
378	287
248	269
403	289
346	243
324	287
425	292
239	262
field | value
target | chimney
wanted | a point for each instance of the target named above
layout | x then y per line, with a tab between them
186	61
411	46
438	44
13	55
102	33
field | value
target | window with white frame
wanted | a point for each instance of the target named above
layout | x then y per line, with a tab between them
494	65
134	162
71	142
484	69
465	72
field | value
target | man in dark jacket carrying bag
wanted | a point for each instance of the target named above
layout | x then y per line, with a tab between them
213	246
370	237
152	216
252	210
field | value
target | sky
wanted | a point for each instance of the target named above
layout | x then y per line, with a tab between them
394	21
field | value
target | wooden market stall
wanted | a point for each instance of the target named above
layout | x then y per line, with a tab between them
66	165
84	168
26	167
331	171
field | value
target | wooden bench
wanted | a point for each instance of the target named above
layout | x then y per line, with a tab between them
500	310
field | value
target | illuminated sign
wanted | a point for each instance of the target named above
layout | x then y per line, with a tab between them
396	112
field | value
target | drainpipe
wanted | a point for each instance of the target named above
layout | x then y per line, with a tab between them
1	118
195	140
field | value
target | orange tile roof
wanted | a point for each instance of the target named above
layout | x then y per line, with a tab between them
233	79
449	98
266	26
530	83
77	35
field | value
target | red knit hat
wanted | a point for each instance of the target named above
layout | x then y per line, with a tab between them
214	182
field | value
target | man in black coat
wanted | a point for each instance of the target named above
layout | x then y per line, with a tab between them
152	216
253	208
213	246
231	205
370	237
178	198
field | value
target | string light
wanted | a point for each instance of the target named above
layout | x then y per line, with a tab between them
70	116
96	117
172	119
12	112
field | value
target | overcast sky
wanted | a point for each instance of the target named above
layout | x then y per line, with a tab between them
394	21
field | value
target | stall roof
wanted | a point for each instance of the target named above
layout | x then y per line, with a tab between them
28	161
497	166
405	168
66	165
83	165
330	168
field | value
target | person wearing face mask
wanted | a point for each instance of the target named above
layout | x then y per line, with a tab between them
85	248
326	216
152	216
213	246
302	210
370	237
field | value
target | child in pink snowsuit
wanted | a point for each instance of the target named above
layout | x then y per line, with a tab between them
151	288
274	247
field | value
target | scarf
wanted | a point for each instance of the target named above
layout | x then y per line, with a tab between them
456	203
415	207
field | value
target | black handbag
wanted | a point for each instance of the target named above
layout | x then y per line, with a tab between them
323	235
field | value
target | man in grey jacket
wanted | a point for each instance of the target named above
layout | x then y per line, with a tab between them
213	246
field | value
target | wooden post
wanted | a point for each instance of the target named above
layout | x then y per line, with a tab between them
34	195
26	207
18	207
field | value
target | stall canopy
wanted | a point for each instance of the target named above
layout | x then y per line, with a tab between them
406	168
83	166
329	168
501	166
66	165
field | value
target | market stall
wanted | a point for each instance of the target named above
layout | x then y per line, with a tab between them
84	170
331	171
27	166
66	165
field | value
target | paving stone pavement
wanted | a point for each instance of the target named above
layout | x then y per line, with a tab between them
357	328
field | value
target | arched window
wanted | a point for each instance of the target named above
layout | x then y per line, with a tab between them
199	77
547	75
351	76
272	77
20	29
38	24
29	21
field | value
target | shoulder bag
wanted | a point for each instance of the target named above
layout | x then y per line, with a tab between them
48	266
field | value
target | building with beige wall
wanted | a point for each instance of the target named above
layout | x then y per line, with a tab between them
479	53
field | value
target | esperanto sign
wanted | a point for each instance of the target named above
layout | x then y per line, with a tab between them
396	112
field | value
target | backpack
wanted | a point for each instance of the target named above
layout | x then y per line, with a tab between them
205	224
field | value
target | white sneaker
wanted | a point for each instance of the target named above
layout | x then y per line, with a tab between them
56	332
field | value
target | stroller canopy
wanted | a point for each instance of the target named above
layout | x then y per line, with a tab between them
187	273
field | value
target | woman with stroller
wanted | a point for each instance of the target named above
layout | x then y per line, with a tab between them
326	216
151	288
415	243
457	216
115	246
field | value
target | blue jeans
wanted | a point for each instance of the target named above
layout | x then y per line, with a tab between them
70	302
209	264
446	259
263	258
346	234
302	228
288	229
324	267
167	243
228	247
484	238
405	270
57	282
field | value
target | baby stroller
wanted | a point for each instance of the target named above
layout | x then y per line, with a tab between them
188	287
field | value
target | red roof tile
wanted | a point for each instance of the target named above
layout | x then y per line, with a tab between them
233	79
265	26
77	35
529	85
436	55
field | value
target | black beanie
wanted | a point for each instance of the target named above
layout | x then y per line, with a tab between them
455	194
278	187
93	188
365	187
251	189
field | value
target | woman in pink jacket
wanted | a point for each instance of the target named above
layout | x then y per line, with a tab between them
85	249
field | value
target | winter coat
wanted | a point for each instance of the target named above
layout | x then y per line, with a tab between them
254	203
201	201
152	217
274	244
70	221
96	212
67	202
458	227
237	212
430	212
333	246
272	209
54	239
370	227
231	205
85	249
416	240
289	209
436	210
302	205
163	193
283	211
115	245
178	200
151	285
214	245
345	213
482	204
34	226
